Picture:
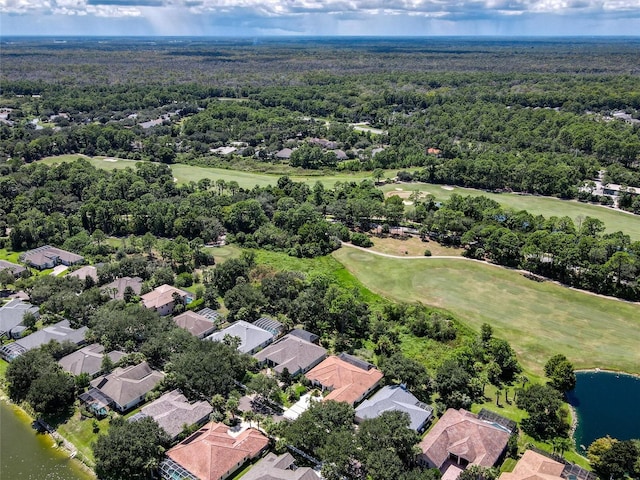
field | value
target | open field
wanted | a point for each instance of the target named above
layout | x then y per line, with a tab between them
614	220
538	319
187	173
411	247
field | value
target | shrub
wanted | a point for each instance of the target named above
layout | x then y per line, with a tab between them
427	253
361	240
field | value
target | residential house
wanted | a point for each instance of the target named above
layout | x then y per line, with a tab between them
280	467
163	299
284	154
194	323
534	466
59	332
88	360
123	389
172	411
348	378
14	268
460	439
49	257
117	288
293	353
396	398
251	338
12	315
87	271
212	453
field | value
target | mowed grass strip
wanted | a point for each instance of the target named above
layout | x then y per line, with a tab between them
538	319
187	173
614	220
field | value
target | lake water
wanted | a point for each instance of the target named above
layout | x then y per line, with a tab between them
24	454
607	404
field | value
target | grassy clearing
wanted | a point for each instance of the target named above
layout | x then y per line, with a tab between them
187	173
614	220
80	432
220	254
538	319
411	246
9	256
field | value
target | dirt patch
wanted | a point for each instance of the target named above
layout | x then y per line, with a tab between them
446	187
411	246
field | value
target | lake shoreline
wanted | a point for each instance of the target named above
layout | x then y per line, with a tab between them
27	418
606	370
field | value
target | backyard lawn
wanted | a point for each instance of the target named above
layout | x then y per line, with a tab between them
538	319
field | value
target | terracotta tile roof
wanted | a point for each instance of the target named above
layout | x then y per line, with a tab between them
212	452
461	433
347	382
161	296
533	466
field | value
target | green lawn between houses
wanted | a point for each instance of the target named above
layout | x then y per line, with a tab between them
538	319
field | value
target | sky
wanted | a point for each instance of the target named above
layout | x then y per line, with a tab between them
319	17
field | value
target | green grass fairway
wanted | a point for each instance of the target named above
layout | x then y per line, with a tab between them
614	220
187	173
538	319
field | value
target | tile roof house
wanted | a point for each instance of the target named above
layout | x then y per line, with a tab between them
49	257
60	332
12	314
83	272
126	387
12	267
282	467
460	439
162	299
88	360
293	353
212	453
117	288
284	154
349	380
194	323
172	411
533	466
252	338
396	398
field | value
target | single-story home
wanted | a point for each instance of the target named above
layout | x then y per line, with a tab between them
534	466
284	154
163	299
396	398
117	288
125	387
48	257
88	360
460	439
83	272
12	315
194	323
293	353
280	467
252	338
212	453
172	411
60	332
348	378
14	268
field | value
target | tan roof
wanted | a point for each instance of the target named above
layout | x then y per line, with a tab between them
88	359
212	452
346	381
194	323
533	466
173	411
84	272
126	384
461	433
292	353
161	296
119	285
46	254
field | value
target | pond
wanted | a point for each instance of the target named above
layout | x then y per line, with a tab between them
26	455
606	404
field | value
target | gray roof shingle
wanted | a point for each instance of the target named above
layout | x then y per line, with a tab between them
396	398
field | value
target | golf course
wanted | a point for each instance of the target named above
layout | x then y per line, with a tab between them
539	319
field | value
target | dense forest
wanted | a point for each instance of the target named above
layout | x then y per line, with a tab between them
542	120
